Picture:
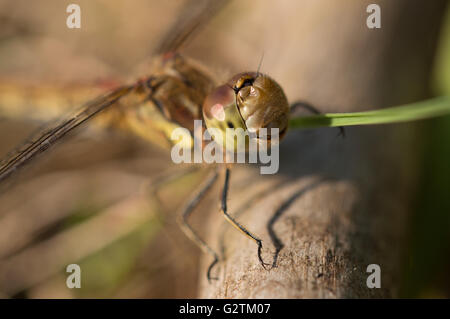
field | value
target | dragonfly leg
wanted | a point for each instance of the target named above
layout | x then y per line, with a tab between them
189	231
166	178
304	105
233	222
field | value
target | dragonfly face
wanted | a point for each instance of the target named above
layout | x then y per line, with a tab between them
250	101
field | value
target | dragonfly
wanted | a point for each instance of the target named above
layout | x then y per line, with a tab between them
177	92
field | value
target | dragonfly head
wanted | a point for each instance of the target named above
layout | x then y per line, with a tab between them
249	101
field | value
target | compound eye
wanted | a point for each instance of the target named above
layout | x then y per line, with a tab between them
220	110
218	103
221	113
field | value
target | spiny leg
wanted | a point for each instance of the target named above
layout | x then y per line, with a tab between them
303	105
189	231
153	187
165	178
233	222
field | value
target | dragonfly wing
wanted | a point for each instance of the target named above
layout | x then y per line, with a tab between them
193	15
42	140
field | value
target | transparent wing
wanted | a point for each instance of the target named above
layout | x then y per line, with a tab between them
42	140
193	15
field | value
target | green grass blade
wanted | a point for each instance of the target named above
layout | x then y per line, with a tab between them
435	107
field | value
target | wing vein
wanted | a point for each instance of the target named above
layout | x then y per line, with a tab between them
48	137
